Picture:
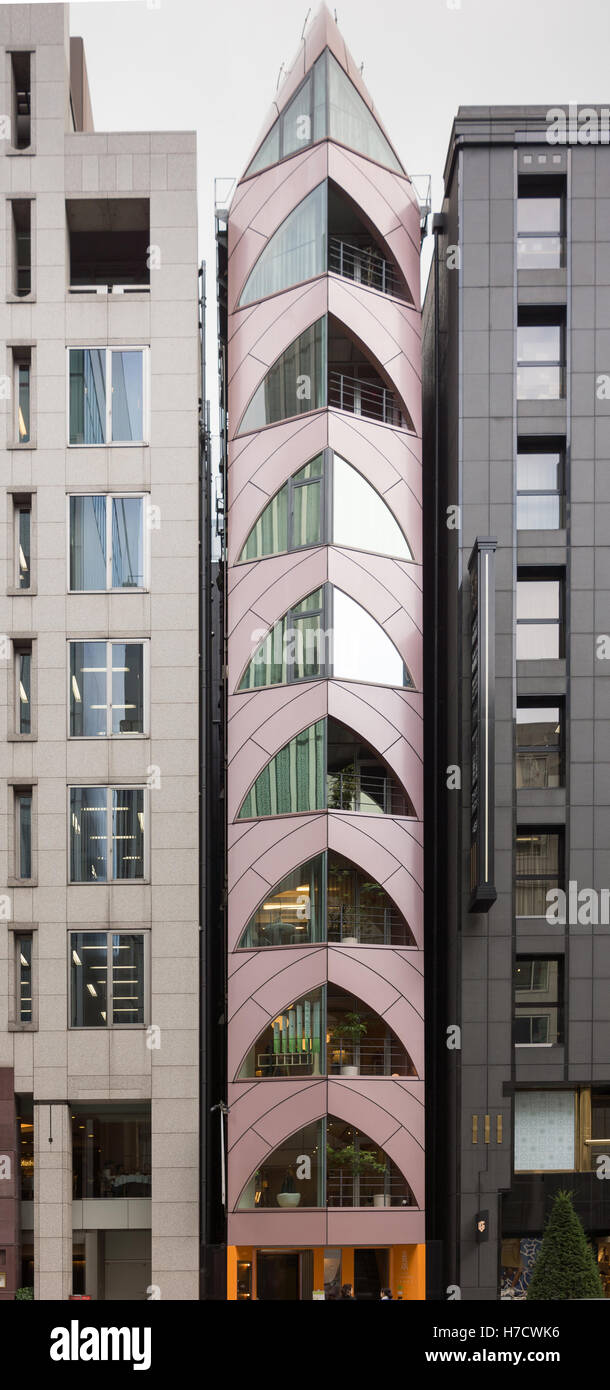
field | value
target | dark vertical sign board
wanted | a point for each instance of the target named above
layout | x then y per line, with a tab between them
481	568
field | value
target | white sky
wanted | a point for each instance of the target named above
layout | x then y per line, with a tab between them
212	66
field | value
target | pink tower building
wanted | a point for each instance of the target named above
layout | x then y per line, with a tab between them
325	709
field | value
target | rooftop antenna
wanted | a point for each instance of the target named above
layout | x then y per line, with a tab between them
279	76
305	24
335	14
362	67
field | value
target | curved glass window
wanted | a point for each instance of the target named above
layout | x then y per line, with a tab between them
292	913
325	106
359	911
293	780
295	516
296	251
327	1163
294	384
293	1044
324	635
361	518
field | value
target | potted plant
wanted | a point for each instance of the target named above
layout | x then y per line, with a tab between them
351	1028
288	1195
361	1162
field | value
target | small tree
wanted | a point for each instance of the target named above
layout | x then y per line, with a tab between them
565	1266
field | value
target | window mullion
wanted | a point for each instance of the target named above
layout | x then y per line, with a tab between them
109	509
109	650
108	395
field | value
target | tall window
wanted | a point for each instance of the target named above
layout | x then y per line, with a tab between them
293	780
23	834
23	961
107	542
539	761
540	355
107	395
21	83
23	687
539	616
22	393
296	383
327	105
540	486
106	979
107	834
296	251
296	517
106	688
540	229
537	870
22	246
22	511
292	914
538	1001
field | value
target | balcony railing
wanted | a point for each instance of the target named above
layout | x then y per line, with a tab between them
363	266
360	791
371	1057
367	926
365	398
347	1189
110	289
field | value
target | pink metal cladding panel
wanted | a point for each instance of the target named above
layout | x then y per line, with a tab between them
261	853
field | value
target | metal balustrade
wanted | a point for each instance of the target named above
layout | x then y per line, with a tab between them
366	398
383	1056
364	266
367	1189
363	791
367	926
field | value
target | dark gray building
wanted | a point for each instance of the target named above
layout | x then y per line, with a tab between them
517	466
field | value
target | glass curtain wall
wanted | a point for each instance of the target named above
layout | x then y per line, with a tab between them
296	252
296	383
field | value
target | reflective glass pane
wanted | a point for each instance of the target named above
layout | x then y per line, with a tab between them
23	409
127	978
292	1044
538	513
88	689
296	251
294	384
307	515
89	979
127	688
25	691
87	395
539	383
127	543
538	641
128	832
127	396
24	828
360	910
292	1176
111	1151
270	534
539	214
361	518
539	252
296	121
87	543
362	651
24	961
539	342
538	762
539	472
291	915
88	834
319	98
313	469
351	122
538	598
269	151
293	780
24	526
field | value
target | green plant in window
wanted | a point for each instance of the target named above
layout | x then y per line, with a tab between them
357	1160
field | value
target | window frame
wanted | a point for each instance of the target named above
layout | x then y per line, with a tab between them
20	645
22	355
21	502
541	575
542	702
18	931
557	1005
542	446
96	930
109	643
108	442
12	290
17	50
558	879
111	497
20	788
110	788
540	317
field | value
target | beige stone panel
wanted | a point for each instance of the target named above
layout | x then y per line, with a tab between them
174	1218
178	1046
174	1253
175	1150
180	1286
176	905
129	1052
174	1082
176	1184
88	1052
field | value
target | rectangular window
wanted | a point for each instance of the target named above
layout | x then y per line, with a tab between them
109	244
23	833
540	355
106	979
537	870
106	395
540	225
539	616
539	760
538	1000
21	83
23	521
545	1131
540	486
22	652
22	246
23	962
111	1154
107	543
107	834
106	688
22	395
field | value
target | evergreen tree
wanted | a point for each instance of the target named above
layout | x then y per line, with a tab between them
565	1266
